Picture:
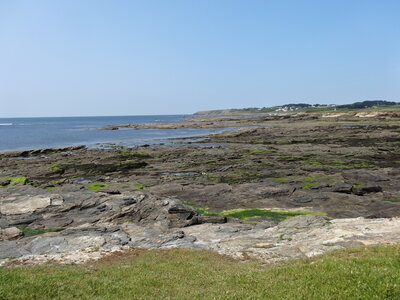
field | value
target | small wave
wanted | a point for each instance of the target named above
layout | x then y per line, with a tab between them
6	124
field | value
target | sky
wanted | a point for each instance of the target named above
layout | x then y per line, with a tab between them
95	57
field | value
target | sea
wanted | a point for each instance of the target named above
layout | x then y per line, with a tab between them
38	133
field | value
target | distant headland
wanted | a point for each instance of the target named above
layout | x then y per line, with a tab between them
379	105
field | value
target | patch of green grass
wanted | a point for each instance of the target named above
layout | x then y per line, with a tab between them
15	180
261	150
97	186
31	232
189	203
309	182
55	167
247	213
209	176
394	200
139	186
360	273
51	188
308	185
283	238
204	211
310	179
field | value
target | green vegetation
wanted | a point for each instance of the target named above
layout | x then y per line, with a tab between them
360	273
270	215
129	153
394	200
289	157
31	232
282	238
308	185
340	164
15	180
51	188
97	186
365	106
139	186
248	213
309	182
56	167
312	162
129	164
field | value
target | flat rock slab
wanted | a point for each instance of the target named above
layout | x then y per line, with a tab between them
28	204
298	237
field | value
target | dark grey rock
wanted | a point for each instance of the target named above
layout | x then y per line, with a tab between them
341	187
53	222
309	198
25	220
111	191
185	212
366	189
42	245
265	225
10	249
4	182
207	219
320	185
4	223
364	176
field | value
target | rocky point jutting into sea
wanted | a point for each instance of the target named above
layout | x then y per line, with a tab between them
279	187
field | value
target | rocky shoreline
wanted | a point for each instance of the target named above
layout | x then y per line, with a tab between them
272	191
221	121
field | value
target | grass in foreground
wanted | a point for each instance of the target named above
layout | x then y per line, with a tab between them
362	273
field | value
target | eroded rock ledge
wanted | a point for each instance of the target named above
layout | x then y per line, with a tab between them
76	228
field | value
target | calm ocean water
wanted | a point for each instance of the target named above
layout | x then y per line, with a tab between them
35	133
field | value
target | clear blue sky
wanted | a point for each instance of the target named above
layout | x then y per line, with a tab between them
93	57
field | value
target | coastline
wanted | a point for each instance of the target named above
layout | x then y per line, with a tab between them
247	186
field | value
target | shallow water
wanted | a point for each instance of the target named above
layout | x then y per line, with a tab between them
36	133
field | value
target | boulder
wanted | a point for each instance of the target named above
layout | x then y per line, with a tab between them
364	176
366	189
4	182
341	187
10	233
207	219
